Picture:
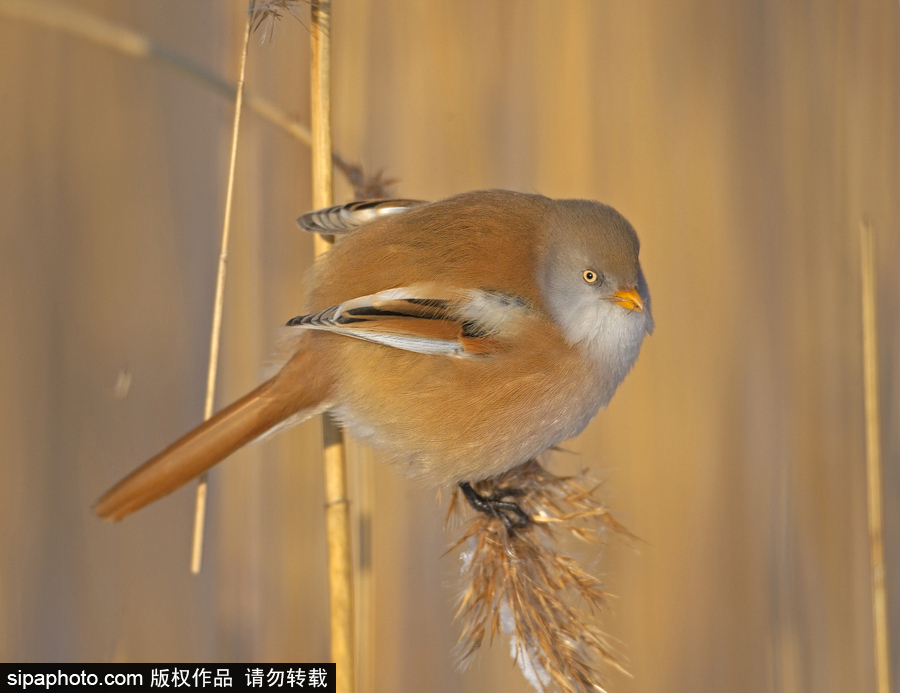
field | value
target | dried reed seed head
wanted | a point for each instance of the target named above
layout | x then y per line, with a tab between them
365	186
516	583
270	13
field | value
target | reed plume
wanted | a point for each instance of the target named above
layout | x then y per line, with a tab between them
517	583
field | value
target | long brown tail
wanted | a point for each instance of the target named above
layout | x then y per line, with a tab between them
211	442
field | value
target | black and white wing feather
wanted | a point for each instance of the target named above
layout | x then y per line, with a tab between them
469	323
346	218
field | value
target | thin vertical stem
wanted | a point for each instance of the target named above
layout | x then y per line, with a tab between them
337	506
216	336
873	460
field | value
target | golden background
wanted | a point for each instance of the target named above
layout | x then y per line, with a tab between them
745	142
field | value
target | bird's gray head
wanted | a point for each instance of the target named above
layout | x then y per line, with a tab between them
592	284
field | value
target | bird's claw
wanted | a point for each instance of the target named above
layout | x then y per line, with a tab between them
494	505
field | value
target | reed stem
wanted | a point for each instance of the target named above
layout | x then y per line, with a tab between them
216	336
873	460
337	506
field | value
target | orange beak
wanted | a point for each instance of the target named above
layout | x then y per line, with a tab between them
629	298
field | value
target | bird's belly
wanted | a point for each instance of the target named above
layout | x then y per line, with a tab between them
451	419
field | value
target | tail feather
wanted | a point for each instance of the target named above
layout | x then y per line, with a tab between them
238	424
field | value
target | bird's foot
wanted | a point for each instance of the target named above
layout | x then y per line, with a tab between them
494	505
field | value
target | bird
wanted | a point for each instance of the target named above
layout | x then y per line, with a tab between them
460	338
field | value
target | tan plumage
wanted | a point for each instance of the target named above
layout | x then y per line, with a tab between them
300	387
461	337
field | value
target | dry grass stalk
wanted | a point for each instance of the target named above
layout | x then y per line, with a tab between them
216	335
515	582
337	505
873	460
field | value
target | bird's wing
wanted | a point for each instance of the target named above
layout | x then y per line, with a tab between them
349	217
473	322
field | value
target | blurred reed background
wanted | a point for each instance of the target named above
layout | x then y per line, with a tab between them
745	142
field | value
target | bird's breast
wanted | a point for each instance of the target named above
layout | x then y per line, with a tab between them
449	419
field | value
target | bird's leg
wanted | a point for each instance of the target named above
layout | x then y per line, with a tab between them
493	505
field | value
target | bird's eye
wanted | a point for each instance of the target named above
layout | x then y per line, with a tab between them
590	276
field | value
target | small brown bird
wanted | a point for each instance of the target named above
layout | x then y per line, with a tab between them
461	338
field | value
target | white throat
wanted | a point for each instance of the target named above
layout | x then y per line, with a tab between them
610	335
